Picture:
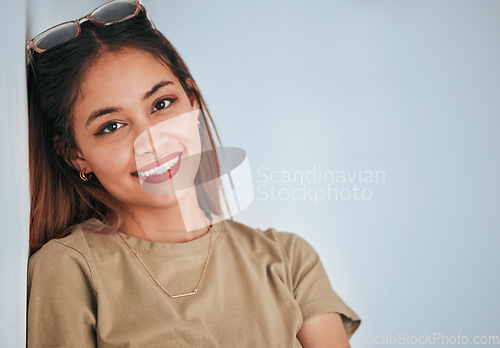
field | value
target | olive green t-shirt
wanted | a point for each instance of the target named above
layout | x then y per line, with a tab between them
88	289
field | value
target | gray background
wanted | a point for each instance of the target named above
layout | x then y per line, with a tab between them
409	88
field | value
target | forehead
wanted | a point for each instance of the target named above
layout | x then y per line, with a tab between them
126	74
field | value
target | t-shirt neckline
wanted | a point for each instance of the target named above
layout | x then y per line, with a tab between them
193	246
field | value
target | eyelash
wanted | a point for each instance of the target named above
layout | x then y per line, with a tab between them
101	130
171	100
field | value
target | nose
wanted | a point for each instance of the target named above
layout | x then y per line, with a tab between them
153	139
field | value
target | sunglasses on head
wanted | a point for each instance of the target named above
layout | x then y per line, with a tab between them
110	13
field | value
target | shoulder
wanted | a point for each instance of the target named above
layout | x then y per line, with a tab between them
270	234
73	243
72	253
289	244
305	274
59	250
61	294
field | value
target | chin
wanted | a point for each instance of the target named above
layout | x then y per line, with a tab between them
165	200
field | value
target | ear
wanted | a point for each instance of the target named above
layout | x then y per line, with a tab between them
72	156
79	162
193	93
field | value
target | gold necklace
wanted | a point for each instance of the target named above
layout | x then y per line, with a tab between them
195	291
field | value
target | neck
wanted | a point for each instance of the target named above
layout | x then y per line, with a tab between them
179	223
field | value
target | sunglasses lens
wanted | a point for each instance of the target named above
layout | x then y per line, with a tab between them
114	11
56	35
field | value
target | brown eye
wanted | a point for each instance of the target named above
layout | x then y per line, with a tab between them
109	127
163	103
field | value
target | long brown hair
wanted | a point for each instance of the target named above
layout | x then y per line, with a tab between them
59	199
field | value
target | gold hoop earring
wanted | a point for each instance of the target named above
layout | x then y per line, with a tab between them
85	178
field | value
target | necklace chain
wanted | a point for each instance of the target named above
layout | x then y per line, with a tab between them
195	291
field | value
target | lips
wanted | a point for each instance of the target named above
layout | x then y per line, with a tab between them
161	170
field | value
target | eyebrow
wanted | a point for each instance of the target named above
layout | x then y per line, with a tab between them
108	110
101	112
155	88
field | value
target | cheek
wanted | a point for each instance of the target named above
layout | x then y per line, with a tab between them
191	138
187	129
109	160
181	129
193	134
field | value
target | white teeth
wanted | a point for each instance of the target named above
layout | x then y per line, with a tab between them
160	169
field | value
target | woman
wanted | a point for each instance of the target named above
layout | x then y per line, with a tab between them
130	245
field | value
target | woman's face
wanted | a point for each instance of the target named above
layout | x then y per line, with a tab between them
128	129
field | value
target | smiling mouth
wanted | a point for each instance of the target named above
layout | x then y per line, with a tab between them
154	173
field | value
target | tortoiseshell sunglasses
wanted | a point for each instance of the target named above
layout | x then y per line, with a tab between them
107	14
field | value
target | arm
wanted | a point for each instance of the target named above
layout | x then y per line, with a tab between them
326	317
61	302
323	331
